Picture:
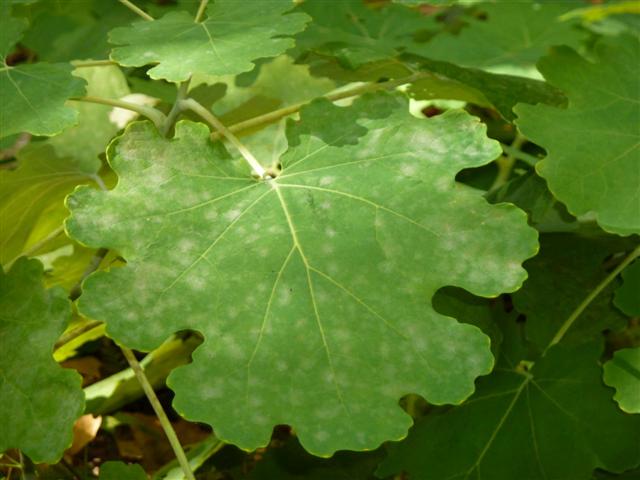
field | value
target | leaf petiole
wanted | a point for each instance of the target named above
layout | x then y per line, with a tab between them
137	10
153	114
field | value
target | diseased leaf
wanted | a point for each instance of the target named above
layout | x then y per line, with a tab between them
556	421
622	372
568	267
33	96
312	290
40	400
593	144
627	297
510	34
233	35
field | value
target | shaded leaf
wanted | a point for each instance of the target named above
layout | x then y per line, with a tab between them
593	144
121	470
627	297
40	400
307	286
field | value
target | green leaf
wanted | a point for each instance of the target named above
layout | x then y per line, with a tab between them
556	421
227	42
33	96
32	199
312	290
512	34
622	372
357	34
568	267
40	400
592	145
89	138
627	298
121	471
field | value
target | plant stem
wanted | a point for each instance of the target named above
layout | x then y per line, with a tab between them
36	246
203	112
92	63
594	293
176	108
332	97
156	116
201	9
505	164
160	413
75	333
136	9
529	159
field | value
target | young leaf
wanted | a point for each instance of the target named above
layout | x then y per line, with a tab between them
312	289
627	297
568	267
40	400
32	96
556	421
593	144
227	42
513	34
622	372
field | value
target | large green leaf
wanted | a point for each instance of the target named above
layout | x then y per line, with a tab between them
313	289
31	199
627	297
568	267
511	34
33	96
357	34
555	421
593	145
622	372
233	35
40	400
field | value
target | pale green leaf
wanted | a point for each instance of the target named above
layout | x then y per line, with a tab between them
233	35
89	138
627	297
555	422
512	34
622	372
312	290
40	400
32	200
593	162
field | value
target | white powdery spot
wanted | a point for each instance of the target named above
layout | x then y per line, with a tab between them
408	169
330	232
211	215
327	180
231	215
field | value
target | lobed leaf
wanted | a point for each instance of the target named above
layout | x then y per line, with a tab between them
622	372
312	289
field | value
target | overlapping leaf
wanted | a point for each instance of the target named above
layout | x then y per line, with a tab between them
357	34
627	297
594	144
622	372
233	35
121	471
512	34
32	96
312	290
568	267
40	400
556	421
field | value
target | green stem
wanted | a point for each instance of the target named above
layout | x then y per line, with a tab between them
203	112
197	454
176	109
201	9
136	9
527	158
332	97
506	164
594	293
160	413
92	63
75	333
156	116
